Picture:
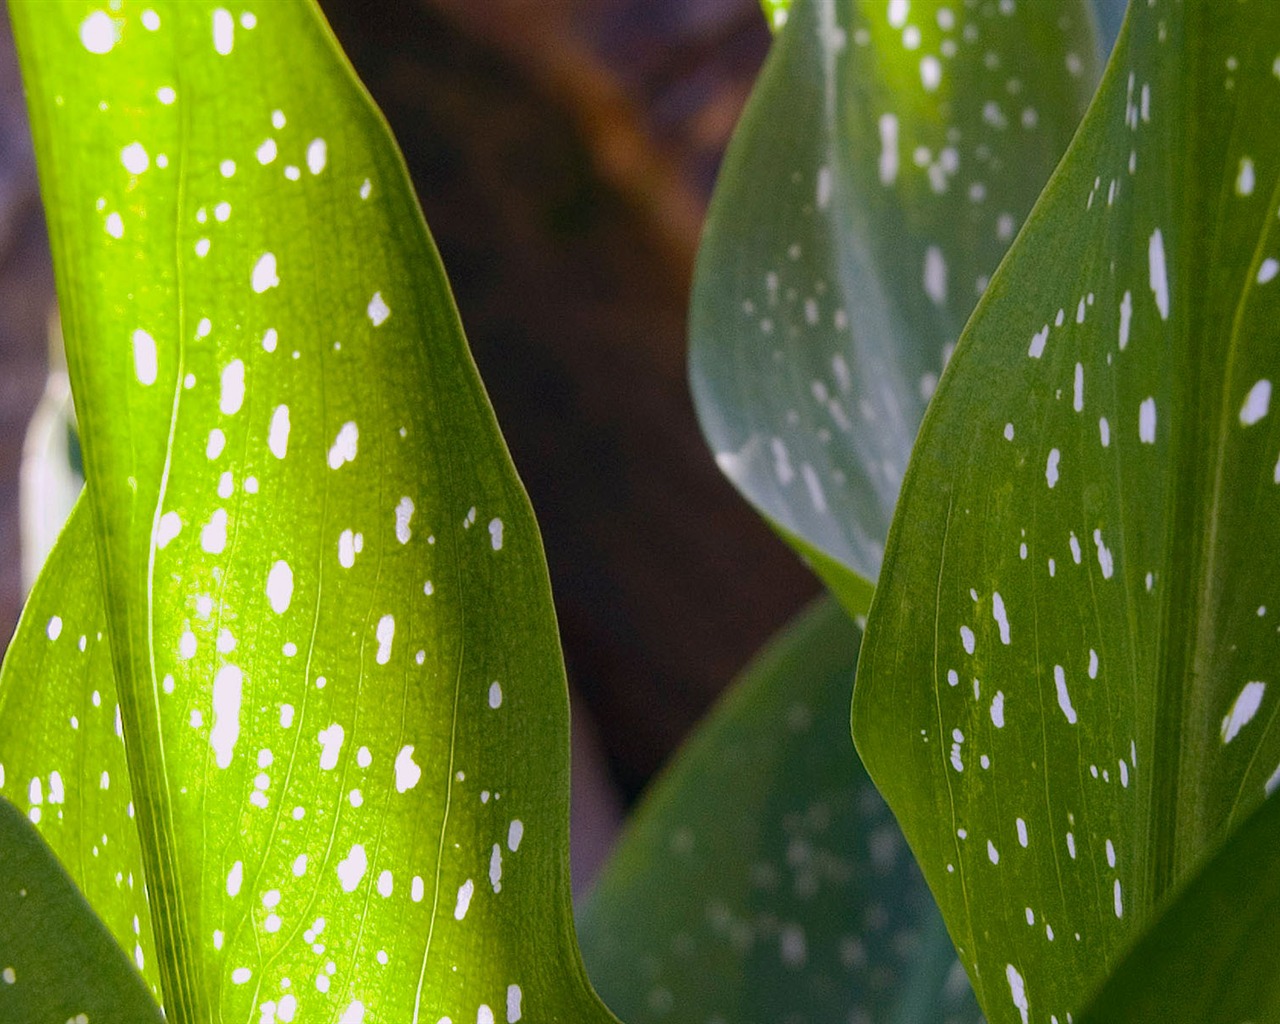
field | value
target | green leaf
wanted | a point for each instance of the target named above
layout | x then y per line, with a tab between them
1067	688
763	878
57	962
62	758
885	161
1213	955
332	633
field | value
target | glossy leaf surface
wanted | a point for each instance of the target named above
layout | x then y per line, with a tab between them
340	690
57	961
1067	688
887	158
763	878
1213	955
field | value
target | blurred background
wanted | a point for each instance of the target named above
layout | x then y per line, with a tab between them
564	153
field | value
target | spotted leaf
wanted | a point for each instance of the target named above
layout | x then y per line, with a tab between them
1067	688
340	693
886	160
763	878
57	961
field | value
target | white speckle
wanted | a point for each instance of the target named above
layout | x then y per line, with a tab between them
1242	710
317	155
935	275
280	587
202	247
213	536
1126	318
1124	773
1111	853
291	172
1051	467
54	629
1159	273
1071	845
1036	350
226	714
993	854
277	119
203	328
1147	421
1245	177
515	833
222	212
232	396
495	694
408	773
997	710
1093	663
898	12
366	189
267	151
344	445
404	513
1064	698
966	638
386	632
465	891
115	225
264	273
278	435
270	339
1008	431
1002	619
813	485
1105	561
386	884
349	545
888	149
495	868
145	366
495	534
187	646
1018	990
1077	401
1104	432
330	740
930	73
792	946
1256	403
169	527
351	868
235	878
224	31
1022	833
418	889
514	997
99	32
1118	899
378	310
1268	270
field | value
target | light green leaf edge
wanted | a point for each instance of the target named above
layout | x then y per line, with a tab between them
57	962
763	878
1066	690
883	165
190	324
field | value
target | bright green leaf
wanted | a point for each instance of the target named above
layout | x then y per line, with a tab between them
887	158
1213	955
340	689
763	879
57	962
62	756
1067	689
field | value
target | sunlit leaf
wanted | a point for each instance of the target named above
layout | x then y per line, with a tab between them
1213	955
57	962
339	683
887	158
763	879
1067	690
62	756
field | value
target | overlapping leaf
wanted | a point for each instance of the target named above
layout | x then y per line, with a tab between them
339	686
1067	688
888	156
57	961
764	879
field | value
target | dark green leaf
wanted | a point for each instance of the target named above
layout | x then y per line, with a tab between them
887	158
57	962
1067	690
763	879
1213	955
339	684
